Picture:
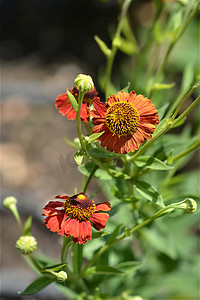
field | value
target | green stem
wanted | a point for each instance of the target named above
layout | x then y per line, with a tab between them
184	100
66	244
90	178
115	45
78	120
34	262
190	149
17	217
171	46
187	111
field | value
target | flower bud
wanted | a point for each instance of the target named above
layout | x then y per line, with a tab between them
84	83
191	205
26	244
61	276
10	202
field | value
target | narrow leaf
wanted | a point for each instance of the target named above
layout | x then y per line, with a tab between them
93	137
37	285
103	270
163	86
102	45
72	101
27	226
103	153
99	234
114	234
149	192
129	266
55	268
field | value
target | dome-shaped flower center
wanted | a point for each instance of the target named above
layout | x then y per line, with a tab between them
122	118
79	207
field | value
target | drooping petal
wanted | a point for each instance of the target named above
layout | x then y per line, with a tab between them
104	206
50	208
99	220
54	222
99	109
64	197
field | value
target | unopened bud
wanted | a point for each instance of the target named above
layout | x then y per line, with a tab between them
10	202
84	83
61	276
191	205
26	244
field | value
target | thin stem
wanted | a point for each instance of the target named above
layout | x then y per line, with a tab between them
171	46
115	45
185	99
17	217
66	244
190	149
90	178
187	111
78	119
34	262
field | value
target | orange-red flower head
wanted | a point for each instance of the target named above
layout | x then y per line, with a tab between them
75	217
66	109
126	119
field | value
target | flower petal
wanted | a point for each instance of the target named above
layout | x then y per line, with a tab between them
99	220
50	208
105	206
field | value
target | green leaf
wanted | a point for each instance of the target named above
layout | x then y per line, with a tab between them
126	88
149	192
37	285
93	137
150	162
99	234
114	234
129	266
103	153
162	125
70	143
127	47
27	226
96	270
162	110
78	157
55	268
72	101
181	122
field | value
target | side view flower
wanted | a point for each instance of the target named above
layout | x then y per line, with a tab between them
75	217
127	121
66	109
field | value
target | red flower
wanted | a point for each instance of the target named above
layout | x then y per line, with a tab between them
75	217
127	121
66	109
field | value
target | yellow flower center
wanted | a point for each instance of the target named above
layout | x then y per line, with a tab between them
79	207
122	118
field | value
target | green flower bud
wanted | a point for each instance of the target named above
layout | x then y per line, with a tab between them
26	244
191	205
84	83
61	276
10	202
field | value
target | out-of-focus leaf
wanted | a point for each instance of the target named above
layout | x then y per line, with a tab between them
72	101
103	270
150	162
102	45
160	240
162	110
129	266
100	174
127	47
70	143
27	226
37	285
126	88
163	86
149	192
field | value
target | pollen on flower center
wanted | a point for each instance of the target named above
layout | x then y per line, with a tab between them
122	118
79	207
